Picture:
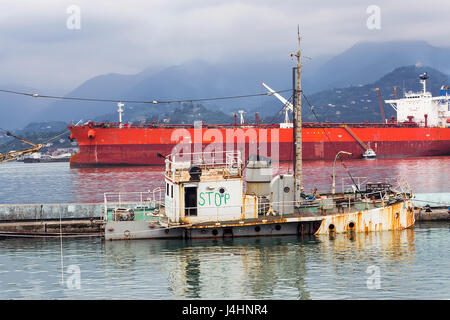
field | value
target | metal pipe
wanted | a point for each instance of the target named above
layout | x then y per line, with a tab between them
333	191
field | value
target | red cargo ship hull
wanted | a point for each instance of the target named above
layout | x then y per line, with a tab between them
109	144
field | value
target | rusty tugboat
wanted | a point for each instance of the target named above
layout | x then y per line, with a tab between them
205	197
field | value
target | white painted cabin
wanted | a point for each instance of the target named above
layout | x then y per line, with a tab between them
200	189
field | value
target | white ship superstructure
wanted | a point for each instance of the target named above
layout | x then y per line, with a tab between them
422	108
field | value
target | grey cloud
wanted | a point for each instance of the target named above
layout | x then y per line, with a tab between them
128	36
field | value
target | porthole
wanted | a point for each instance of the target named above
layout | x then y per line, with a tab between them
215	232
221	190
287	189
257	228
331	227
278	227
351	225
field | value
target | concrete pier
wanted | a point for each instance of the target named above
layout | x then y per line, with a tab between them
53	228
432	206
30	212
433	214
77	219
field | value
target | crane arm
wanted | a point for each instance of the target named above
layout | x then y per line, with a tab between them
380	101
21	139
12	155
283	100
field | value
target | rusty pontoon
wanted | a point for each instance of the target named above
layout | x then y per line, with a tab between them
205	197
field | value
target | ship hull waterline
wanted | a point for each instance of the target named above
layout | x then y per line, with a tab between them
146	155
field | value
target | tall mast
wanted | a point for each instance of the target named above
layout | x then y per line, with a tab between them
298	125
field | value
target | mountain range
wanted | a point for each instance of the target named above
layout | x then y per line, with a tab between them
359	69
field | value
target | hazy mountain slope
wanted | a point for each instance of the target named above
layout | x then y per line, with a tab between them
17	110
108	86
367	61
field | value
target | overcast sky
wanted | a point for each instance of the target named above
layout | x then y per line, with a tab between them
39	50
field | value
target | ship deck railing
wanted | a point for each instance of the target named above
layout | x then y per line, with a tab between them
355	184
146	205
179	163
118	125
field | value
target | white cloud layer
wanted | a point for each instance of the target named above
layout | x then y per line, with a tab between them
38	50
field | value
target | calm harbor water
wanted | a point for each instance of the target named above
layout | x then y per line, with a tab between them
408	264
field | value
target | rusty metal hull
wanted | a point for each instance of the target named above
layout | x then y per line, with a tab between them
129	230
398	216
247	230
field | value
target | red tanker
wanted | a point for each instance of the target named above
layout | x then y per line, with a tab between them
115	144
422	128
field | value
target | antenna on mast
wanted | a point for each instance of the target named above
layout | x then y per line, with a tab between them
423	80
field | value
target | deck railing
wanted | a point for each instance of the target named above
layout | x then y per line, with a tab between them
228	160
147	201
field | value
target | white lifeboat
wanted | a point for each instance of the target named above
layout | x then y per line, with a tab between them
369	154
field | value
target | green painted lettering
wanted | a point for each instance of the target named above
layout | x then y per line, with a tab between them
220	199
202	200
209	197
226	197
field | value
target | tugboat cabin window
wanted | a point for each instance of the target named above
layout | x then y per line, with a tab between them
190	201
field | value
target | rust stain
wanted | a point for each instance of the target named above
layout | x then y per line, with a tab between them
395	217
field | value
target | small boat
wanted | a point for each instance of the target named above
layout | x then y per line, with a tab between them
207	195
369	154
210	198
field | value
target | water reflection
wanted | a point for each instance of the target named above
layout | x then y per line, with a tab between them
266	267
89	184
412	264
244	268
398	246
